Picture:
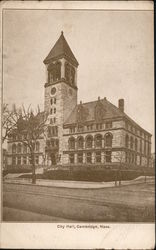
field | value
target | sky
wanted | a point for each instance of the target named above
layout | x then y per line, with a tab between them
114	50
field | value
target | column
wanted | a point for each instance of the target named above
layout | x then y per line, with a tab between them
102	157
84	157
63	68
93	157
75	158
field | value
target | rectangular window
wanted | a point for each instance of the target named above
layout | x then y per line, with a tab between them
108	125
108	156
71	158
89	157
24	160
14	160
19	160
98	157
80	158
36	159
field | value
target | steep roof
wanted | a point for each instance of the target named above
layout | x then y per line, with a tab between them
111	111
61	48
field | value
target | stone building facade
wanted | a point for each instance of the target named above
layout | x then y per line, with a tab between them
86	134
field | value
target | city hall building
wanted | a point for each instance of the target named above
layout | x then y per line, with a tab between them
95	133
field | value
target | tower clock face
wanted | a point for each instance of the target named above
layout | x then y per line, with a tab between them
53	91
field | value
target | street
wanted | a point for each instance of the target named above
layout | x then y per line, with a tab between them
133	203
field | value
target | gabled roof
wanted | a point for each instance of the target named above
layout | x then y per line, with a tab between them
61	48
111	111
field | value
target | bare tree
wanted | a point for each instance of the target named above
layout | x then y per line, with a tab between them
29	126
9	121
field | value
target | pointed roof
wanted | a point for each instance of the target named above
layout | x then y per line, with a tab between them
61	48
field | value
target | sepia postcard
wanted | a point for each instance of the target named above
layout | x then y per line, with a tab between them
77	125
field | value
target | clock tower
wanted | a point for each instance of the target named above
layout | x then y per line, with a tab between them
60	95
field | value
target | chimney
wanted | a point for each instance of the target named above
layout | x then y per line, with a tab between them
121	104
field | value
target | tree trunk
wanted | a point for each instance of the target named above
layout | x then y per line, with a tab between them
33	169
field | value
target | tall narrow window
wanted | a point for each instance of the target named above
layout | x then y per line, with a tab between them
80	157
98	141
13	160
72	76
108	140
127	141
98	157
36	159
72	143
136	144
89	142
108	156
80	142
37	146
19	160
89	157
14	148
24	160
19	148
71	158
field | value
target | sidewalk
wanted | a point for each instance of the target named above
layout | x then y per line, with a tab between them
80	184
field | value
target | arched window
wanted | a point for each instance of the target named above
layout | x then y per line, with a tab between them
136	144
127	141
72	143
19	148
98	140
108	140
14	148
80	142
37	146
89	141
